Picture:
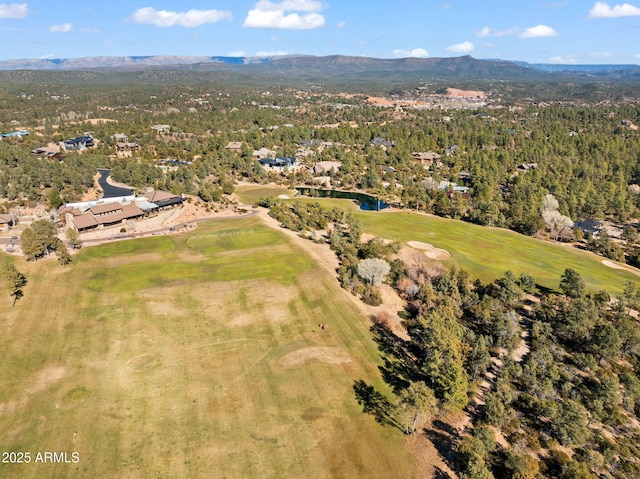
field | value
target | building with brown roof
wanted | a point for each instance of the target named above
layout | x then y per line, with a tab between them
6	221
101	215
163	199
235	146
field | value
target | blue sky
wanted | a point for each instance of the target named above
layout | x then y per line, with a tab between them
537	31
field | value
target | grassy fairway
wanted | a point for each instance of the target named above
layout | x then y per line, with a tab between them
196	355
486	253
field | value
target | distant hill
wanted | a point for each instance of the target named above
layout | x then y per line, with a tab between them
336	68
593	71
106	62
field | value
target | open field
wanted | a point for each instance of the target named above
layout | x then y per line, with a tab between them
194	355
487	253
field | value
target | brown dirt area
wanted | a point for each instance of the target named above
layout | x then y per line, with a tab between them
320	353
455	92
37	382
94	121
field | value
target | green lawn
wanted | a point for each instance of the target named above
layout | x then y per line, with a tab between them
486	253
194	355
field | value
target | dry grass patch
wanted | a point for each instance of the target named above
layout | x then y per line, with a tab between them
319	353
161	301
243	303
36	383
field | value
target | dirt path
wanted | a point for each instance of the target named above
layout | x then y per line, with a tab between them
322	255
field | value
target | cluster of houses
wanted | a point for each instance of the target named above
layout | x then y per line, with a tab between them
53	151
91	215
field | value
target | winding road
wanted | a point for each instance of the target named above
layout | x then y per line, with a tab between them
110	191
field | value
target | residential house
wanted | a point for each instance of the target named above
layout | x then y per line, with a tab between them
427	158
6	221
527	167
451	150
234	146
589	227
264	153
453	189
128	146
279	163
379	141
78	144
161	128
49	152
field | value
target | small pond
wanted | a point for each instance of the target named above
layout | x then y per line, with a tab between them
366	202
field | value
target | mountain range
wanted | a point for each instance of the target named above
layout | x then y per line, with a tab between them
337	66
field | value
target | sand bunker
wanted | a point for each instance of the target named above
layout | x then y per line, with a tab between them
613	265
431	251
325	354
284	197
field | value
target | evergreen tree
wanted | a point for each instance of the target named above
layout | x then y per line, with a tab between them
14	280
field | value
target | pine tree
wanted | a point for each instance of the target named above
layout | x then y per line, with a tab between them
14	281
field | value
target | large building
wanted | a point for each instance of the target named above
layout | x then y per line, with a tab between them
106	212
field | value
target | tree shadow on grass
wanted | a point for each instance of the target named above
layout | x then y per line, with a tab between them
399	368
375	403
440	474
443	437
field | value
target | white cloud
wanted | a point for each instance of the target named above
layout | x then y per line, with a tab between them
485	32
415	53
48	56
239	53
341	24
600	54
564	59
14	10
637	56
266	14
464	47
295	5
64	28
278	53
189	19
604	10
539	31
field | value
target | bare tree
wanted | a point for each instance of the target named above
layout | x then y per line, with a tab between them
373	270
558	224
